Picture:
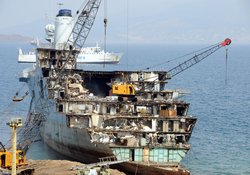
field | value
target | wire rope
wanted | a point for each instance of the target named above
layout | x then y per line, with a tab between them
5	113
127	40
226	66
105	29
179	57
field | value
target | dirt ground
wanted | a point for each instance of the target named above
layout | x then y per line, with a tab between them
56	167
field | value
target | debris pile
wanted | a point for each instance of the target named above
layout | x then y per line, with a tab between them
58	167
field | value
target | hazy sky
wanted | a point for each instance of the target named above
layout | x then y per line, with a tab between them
149	21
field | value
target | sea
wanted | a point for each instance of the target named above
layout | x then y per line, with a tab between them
218	90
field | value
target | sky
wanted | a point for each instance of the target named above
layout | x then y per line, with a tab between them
139	21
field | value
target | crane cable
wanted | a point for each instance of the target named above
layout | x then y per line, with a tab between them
105	29
226	66
5	113
24	131
173	59
209	47
127	25
9	107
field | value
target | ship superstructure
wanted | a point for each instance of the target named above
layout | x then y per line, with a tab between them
88	115
87	55
95	55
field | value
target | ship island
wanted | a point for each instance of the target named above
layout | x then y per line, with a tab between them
126	117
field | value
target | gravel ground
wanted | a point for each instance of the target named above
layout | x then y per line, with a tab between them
57	167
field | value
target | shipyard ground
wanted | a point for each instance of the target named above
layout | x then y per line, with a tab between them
64	167
53	167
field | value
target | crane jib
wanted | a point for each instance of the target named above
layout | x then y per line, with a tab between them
196	59
84	24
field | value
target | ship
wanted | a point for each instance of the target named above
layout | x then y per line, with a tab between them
95	55
87	55
124	116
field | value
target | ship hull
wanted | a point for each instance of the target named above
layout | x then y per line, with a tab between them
91	156
72	142
143	169
75	144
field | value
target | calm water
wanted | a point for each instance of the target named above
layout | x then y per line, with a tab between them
221	138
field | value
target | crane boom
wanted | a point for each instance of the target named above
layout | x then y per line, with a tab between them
2	146
81	27
84	23
196	59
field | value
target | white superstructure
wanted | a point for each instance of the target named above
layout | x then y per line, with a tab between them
94	55
29	57
63	28
88	55
58	34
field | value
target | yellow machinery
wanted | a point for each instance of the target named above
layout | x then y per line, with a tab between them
123	89
15	158
6	159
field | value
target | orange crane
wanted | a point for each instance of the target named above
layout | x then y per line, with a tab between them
6	157
16	157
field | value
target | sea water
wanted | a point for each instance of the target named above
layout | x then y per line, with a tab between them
219	98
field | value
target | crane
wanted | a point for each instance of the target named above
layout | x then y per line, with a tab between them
72	36
196	59
84	23
3	147
15	157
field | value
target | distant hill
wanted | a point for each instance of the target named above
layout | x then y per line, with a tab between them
15	38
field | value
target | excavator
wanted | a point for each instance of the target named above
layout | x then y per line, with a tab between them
6	157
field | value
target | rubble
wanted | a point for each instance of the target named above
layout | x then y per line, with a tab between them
57	167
